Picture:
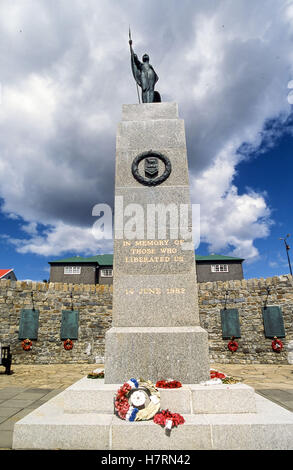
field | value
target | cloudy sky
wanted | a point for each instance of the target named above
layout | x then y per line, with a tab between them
65	72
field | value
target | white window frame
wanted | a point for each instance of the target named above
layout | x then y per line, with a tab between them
106	272
219	268
72	269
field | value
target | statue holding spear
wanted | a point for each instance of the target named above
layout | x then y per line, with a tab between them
145	76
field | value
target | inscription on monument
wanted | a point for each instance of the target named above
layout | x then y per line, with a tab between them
157	254
156	291
160	256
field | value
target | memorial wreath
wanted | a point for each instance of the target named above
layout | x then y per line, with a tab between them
96	375
169	383
26	344
214	374
168	420
232	345
277	344
68	344
137	400
217	378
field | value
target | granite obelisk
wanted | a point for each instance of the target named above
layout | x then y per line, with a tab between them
155	332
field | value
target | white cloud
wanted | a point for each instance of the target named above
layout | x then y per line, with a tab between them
67	73
30	229
229	220
63	238
33	102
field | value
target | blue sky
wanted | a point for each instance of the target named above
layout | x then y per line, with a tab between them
270	172
222	62
26	266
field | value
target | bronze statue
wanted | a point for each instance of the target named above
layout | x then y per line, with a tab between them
145	76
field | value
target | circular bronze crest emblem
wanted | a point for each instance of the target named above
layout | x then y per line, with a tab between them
151	168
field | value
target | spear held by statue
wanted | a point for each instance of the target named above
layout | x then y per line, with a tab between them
130	45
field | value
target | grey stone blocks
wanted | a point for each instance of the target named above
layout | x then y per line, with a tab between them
155	353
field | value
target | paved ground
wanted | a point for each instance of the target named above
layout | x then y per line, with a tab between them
31	386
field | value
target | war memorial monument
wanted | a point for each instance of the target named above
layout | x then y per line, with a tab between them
155	333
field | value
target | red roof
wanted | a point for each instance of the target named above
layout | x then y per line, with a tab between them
4	271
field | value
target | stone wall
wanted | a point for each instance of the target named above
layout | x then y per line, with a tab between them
94	303
248	296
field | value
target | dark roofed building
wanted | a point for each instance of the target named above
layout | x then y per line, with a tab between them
99	269
77	270
218	268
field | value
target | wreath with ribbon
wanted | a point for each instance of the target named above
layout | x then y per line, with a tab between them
68	344
137	400
214	374
232	345
169	383
277	345
26	344
168	420
217	378
130	403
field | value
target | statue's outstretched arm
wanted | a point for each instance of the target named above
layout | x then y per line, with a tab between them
134	58
137	62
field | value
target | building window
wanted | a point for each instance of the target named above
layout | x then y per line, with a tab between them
72	270
106	272
219	268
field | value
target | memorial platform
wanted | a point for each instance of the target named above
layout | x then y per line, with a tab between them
217	417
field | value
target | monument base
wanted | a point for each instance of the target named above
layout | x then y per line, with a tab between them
217	417
157	353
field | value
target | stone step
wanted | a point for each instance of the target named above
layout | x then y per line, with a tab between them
93	395
49	427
